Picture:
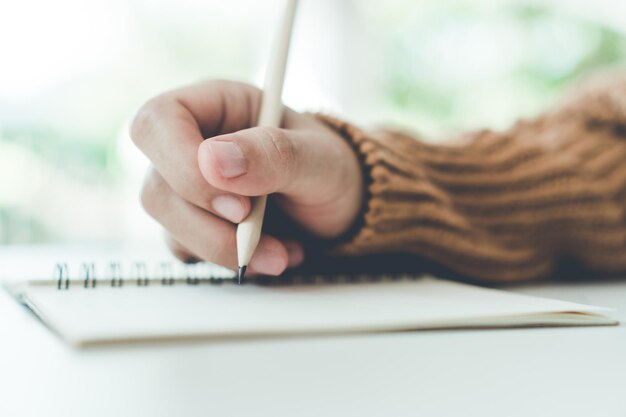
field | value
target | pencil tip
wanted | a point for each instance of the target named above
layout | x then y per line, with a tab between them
242	273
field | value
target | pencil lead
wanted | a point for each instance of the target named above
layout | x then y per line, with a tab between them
242	273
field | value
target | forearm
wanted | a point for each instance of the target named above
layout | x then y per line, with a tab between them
502	206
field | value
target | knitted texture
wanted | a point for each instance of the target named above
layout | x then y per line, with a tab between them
507	206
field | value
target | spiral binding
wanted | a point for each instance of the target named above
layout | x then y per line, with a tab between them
63	277
138	275
165	275
88	271
115	272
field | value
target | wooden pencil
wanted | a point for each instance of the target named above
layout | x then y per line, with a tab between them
270	115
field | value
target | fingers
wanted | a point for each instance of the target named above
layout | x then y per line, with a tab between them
295	252
170	128
204	236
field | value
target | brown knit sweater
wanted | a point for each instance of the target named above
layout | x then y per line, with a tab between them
504	206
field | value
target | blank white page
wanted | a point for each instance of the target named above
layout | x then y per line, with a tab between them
88	316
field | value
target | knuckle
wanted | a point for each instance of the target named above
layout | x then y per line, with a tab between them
281	149
144	120
219	84
151	191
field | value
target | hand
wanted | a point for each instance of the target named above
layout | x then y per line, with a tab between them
199	189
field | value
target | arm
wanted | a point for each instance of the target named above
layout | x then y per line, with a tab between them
503	206
494	207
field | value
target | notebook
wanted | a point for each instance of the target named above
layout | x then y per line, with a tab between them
178	302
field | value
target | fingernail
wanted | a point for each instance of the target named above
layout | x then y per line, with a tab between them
267	261
295	253
228	207
229	158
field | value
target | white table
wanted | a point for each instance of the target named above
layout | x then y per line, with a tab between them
523	372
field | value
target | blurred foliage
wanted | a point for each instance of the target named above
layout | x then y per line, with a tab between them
443	65
95	157
466	64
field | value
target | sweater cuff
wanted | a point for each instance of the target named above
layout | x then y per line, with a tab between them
380	179
418	203
503	206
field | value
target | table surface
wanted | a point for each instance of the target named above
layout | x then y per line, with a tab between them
517	372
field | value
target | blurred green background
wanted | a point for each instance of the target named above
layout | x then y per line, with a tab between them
73	74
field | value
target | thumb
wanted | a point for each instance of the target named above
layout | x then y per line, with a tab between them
315	169
265	160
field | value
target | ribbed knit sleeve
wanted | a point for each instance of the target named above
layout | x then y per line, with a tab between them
506	206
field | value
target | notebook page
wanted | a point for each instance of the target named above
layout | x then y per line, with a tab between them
110	314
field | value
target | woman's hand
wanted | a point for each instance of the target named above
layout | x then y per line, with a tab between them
199	189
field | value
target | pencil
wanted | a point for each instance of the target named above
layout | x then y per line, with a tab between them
270	115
